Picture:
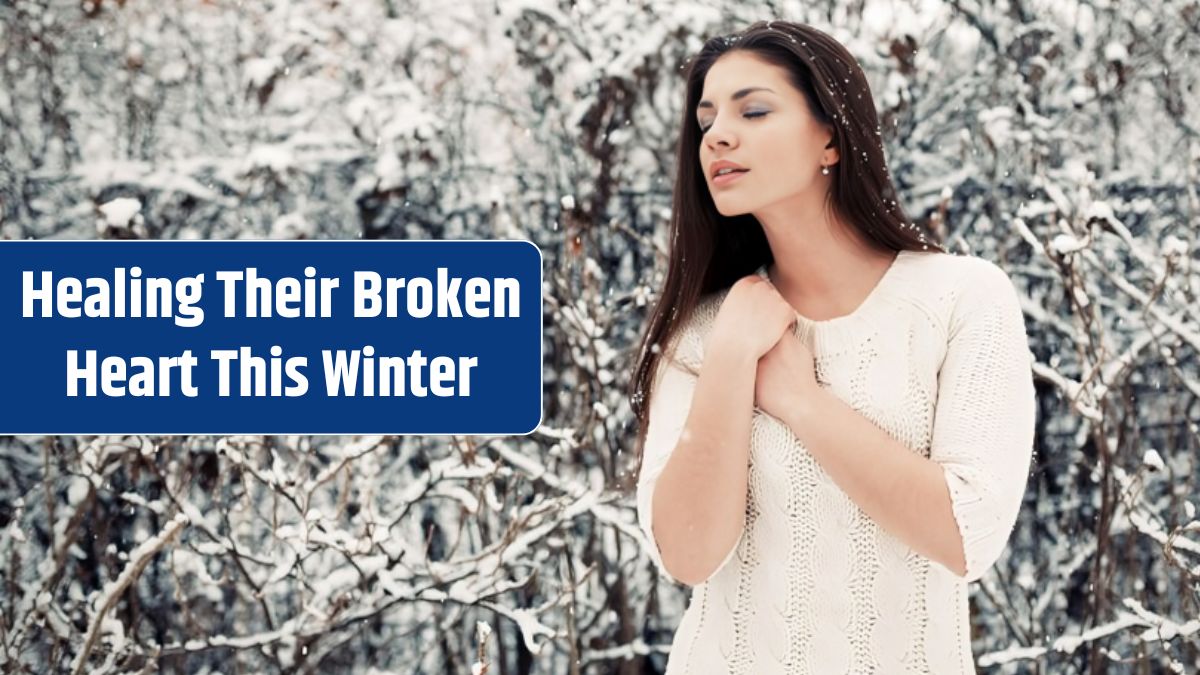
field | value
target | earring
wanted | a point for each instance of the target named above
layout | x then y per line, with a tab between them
824	170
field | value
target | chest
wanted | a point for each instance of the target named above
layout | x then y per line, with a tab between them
887	372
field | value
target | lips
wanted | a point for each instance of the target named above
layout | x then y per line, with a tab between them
729	177
722	164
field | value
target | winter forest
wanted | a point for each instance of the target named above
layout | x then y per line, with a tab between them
1059	139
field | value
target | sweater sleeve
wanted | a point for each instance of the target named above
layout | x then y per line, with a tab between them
984	418
670	402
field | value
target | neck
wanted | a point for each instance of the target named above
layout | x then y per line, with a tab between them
822	265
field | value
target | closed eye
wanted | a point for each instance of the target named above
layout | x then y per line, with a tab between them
749	115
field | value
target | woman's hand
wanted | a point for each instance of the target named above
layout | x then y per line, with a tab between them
752	317
786	377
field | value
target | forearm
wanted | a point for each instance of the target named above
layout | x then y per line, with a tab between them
699	500
902	491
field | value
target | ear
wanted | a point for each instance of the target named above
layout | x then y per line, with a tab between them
830	155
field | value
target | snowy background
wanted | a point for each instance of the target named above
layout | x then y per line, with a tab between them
1058	139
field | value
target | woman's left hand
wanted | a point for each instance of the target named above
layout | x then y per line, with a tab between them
786	377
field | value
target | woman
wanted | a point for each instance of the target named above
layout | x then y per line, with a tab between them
836	433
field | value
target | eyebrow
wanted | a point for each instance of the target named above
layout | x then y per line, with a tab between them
740	93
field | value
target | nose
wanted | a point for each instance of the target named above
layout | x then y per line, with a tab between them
719	134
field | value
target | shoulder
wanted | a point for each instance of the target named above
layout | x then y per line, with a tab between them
982	284
976	289
954	288
686	347
949	270
956	280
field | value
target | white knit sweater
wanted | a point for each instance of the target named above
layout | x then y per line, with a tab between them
937	356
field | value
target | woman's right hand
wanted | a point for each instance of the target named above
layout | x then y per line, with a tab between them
751	319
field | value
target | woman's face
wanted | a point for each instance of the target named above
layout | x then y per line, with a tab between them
752	116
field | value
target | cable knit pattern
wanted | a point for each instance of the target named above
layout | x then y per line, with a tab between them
937	356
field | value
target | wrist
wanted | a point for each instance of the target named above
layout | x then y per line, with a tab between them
730	351
805	409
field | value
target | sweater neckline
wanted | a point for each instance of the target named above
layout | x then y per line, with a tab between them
874	297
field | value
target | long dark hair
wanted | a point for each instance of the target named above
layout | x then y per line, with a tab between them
708	251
